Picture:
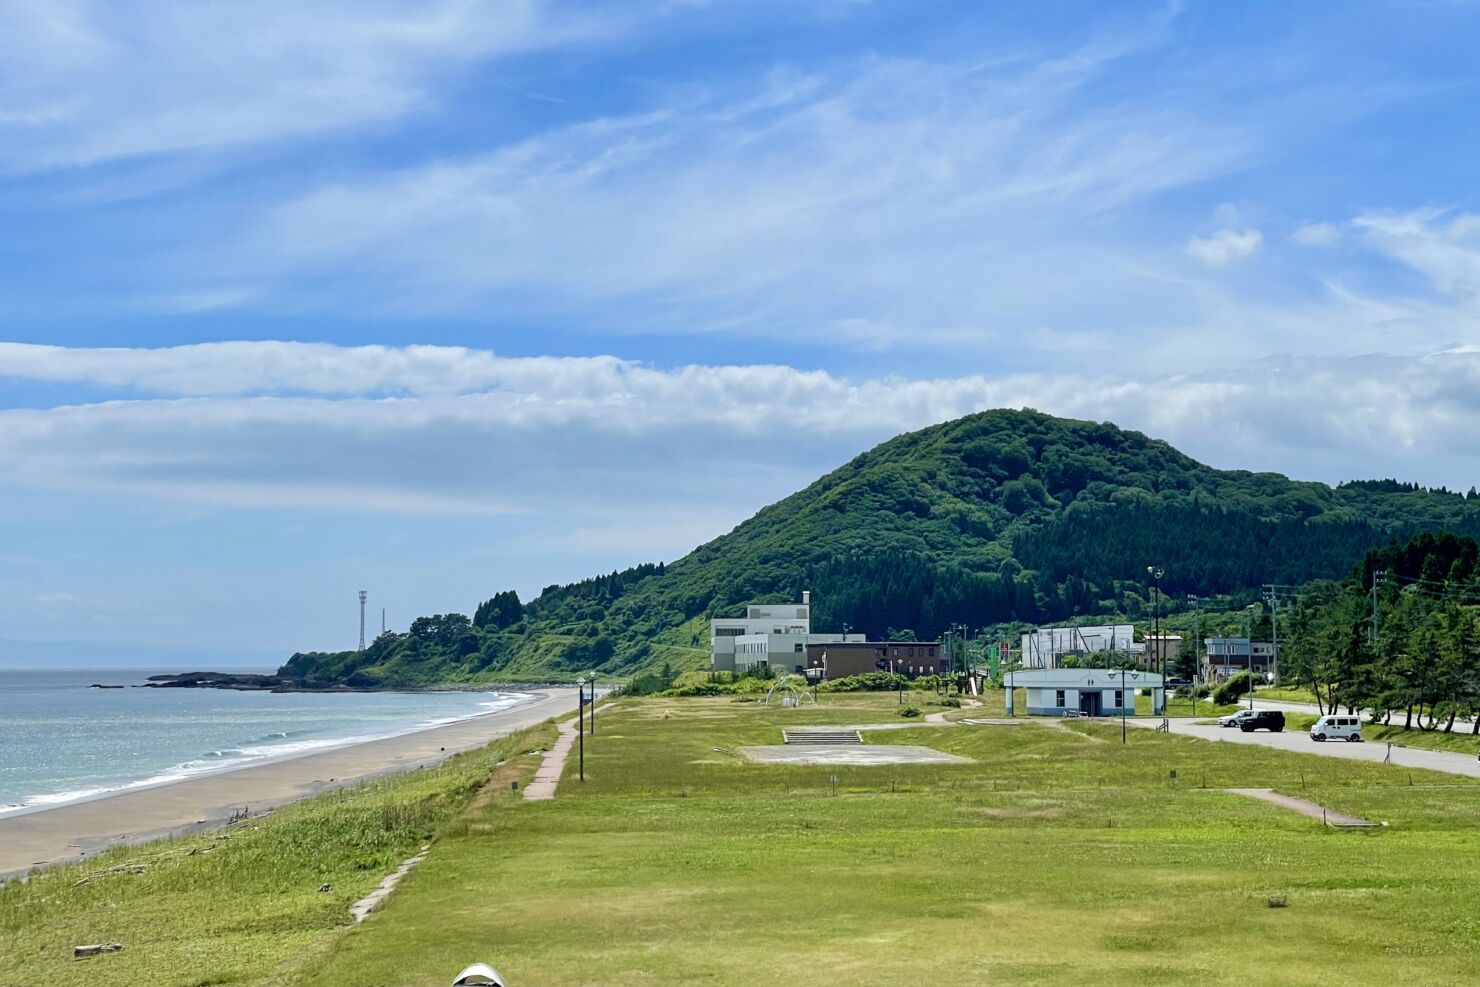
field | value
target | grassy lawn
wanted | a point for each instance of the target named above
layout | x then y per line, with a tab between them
233	907
1056	851
1285	694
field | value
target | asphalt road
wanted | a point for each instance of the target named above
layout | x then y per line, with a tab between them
1300	742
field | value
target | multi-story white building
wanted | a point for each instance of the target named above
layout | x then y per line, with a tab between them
771	635
1045	647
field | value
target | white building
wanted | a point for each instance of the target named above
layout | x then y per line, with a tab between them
1045	647
1087	691
771	635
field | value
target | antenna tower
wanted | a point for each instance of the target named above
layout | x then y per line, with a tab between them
363	594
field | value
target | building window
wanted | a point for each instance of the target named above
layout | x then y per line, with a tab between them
896	652
1058	698
1119	699
798	649
932	652
911	652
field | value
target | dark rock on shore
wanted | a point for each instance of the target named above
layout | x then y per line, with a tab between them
245	682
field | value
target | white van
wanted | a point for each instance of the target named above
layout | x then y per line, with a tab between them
1337	727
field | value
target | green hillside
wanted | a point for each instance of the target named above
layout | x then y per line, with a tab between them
998	517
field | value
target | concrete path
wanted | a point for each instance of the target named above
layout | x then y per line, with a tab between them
1328	816
361	909
1299	741
547	777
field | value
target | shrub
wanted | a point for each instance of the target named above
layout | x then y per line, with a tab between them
950	701
1231	689
908	711
867	682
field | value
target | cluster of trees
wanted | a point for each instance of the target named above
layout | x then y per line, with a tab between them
1400	637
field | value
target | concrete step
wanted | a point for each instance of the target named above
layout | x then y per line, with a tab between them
820	736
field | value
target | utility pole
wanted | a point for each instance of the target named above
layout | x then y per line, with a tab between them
1378	578
1272	597
1156	573
363	594
1196	603
1249	640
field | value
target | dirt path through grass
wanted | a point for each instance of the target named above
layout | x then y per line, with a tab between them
1310	809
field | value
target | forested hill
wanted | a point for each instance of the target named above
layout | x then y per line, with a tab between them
996	517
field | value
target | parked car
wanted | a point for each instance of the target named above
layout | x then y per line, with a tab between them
1337	727
1235	718
1263	719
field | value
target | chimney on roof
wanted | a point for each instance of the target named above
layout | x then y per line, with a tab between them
806	597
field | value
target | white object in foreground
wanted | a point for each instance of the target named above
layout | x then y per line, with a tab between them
480	974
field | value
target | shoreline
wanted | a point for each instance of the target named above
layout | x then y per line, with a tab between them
75	830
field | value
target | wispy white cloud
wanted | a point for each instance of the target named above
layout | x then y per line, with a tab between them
85	81
1225	247
1442	246
1317	234
882	199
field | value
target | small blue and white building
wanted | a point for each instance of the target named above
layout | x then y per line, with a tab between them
1083	691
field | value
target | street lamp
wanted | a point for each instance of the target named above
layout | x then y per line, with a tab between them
581	722
817	674
1156	572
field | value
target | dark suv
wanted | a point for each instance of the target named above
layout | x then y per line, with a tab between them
1268	719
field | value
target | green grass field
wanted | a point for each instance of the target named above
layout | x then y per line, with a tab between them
1058	855
1057	851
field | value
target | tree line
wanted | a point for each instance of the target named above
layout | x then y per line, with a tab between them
1400	637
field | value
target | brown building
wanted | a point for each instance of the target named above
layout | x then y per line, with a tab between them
911	658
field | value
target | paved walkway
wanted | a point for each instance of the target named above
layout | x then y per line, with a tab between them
1328	816
547	778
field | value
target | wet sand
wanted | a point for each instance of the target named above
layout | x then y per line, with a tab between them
82	829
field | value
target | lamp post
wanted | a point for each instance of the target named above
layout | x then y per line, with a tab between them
1156	572
817	674
591	677
580	722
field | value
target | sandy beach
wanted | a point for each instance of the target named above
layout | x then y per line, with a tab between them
70	832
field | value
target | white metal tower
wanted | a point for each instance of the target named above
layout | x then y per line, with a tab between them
363	594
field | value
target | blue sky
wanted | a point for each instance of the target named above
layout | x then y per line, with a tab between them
441	298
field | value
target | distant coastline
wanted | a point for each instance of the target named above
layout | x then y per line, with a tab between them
273	682
83	827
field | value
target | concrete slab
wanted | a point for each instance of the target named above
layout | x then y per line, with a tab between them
865	755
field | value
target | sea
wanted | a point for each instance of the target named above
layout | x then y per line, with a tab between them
62	741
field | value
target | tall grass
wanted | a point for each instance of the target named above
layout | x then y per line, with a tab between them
232	906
